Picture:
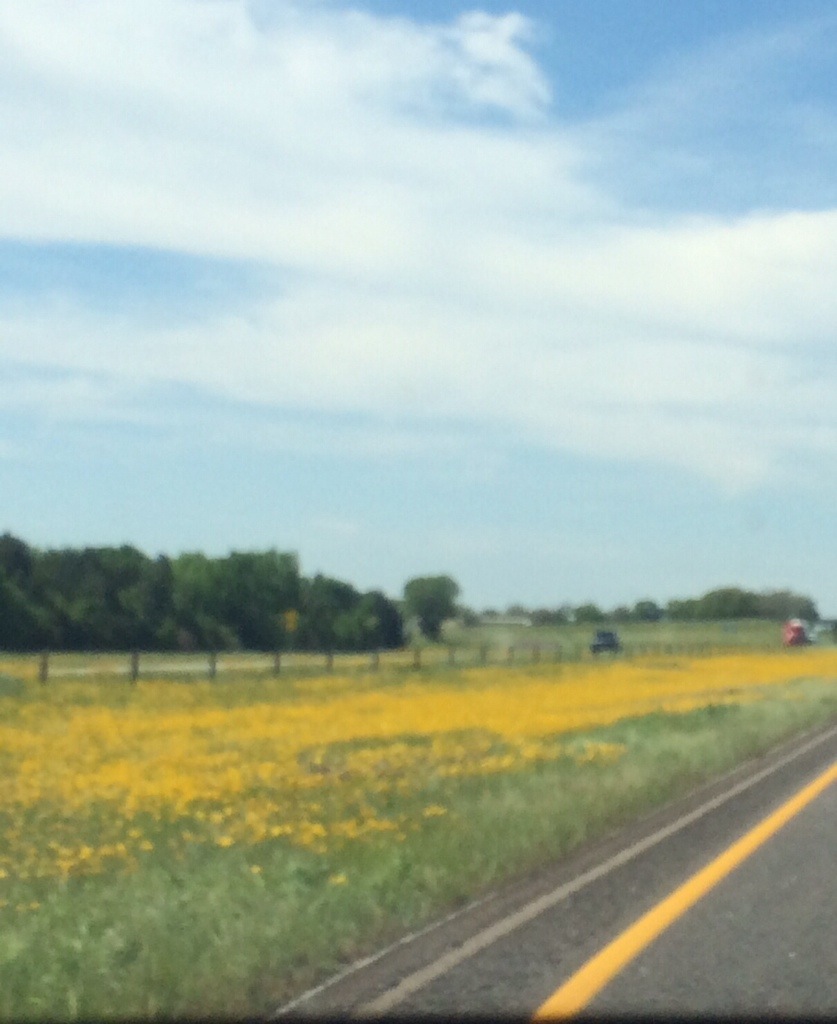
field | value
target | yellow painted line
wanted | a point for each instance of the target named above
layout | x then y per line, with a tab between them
587	982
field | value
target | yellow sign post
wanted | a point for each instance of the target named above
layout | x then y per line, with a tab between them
290	621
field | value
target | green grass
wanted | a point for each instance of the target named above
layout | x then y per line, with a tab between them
742	633
203	935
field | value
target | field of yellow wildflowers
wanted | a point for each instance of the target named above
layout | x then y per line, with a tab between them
209	847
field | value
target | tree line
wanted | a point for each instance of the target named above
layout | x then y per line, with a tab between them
117	598
722	604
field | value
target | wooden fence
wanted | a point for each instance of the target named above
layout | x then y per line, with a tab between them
133	665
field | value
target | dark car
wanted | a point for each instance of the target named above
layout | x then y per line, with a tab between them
605	640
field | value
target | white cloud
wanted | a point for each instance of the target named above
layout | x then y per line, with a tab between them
431	265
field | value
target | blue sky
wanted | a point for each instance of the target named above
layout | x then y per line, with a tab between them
537	294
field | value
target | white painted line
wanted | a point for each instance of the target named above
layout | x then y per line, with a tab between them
375	957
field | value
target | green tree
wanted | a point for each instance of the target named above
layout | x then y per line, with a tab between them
118	598
621	613
254	589
196	599
517	611
327	619
150	603
589	613
468	617
728	603
785	604
23	626
83	593
551	616
17	562
431	599
647	611
687	610
381	623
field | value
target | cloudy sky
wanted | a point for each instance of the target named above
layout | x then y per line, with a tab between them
539	294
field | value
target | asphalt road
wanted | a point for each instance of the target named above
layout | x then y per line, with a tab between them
763	940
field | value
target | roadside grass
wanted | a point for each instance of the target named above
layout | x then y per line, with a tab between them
139	872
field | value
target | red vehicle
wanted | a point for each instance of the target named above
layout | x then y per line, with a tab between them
794	633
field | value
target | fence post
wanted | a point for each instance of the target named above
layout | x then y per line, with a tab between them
213	664
43	667
484	654
329	661
375	661
133	672
416	657
277	662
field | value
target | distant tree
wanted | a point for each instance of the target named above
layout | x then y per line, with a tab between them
84	594
517	611
335	616
725	603
683	610
467	616
126	622
784	604
326	619
196	601
431	599
589	614
728	603
647	611
381	622
549	617
622	613
17	562
23	626
254	589
156	599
